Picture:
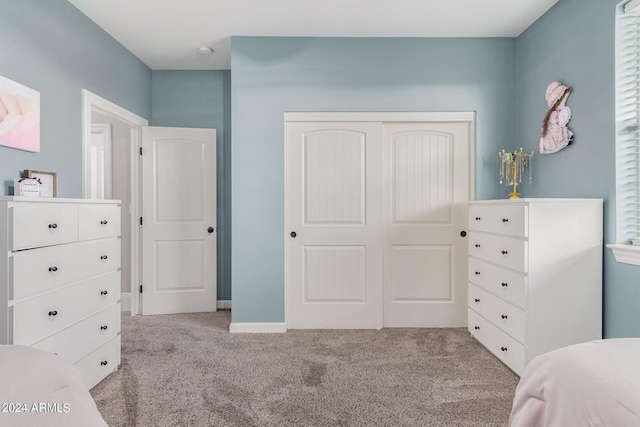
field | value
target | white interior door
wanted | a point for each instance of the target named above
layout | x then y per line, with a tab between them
179	220
426	182
334	218
377	210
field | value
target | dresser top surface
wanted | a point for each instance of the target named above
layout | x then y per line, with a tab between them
535	200
54	200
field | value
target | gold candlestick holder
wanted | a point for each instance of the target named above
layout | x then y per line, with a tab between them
512	167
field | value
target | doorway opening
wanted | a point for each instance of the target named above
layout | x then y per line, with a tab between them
111	170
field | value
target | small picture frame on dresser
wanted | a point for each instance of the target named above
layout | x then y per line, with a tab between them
48	182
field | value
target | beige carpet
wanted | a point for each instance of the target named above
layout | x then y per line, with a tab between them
187	370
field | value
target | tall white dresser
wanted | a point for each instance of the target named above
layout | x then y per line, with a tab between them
535	275
60	280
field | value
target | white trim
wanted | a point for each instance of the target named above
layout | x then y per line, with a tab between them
223	304
258	328
627	254
94	103
409	116
125	301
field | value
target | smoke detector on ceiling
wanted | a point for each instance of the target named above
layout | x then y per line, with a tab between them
205	51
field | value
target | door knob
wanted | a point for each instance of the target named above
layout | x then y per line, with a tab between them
293	234
463	233
210	230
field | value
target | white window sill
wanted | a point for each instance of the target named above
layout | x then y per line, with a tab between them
628	254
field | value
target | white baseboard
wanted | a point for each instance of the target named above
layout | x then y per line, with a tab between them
224	304
258	328
125	301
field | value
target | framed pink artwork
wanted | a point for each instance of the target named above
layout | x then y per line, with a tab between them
19	116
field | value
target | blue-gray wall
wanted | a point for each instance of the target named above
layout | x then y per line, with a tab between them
202	99
271	76
51	47
574	43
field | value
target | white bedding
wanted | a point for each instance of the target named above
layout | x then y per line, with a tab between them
590	384
42	389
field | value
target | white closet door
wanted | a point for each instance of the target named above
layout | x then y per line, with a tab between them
426	178
334	225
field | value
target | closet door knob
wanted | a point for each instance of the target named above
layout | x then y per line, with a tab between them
103	292
104	222
293	234
103	257
210	230
53	269
53	225
463	233
53	313
103	363
103	328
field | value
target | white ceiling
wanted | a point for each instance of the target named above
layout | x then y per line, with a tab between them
166	34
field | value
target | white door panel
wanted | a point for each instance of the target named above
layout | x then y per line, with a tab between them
426	193
179	208
334	262
376	210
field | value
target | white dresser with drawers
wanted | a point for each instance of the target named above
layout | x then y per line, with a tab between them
535	275
60	280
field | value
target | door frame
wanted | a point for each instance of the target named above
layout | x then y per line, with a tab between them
93	103
389	117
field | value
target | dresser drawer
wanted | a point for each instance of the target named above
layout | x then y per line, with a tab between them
42	224
100	363
98	221
508	350
76	341
506	284
502	219
44	269
506	251
499	312
37	318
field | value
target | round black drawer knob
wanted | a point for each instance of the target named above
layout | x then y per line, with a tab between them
104	222
504	316
477	328
505	219
477	245
53	269
103	328
476	300
103	292
103	257
503	348
477	273
505	252
504	285
53	313
103	363
477	218
53	225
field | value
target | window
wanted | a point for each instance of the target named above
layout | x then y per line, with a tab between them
627	133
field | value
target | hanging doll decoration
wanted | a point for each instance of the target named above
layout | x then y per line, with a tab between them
555	134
